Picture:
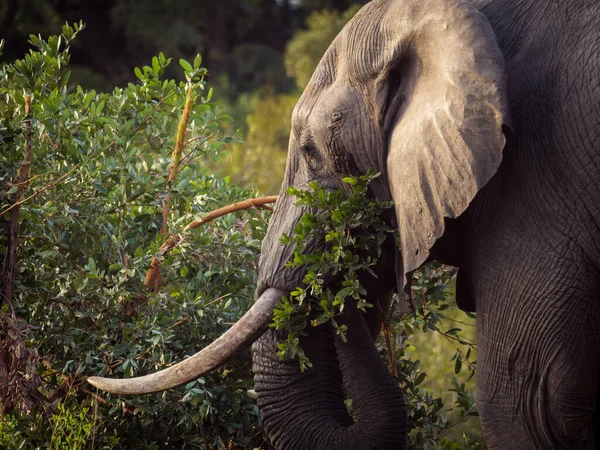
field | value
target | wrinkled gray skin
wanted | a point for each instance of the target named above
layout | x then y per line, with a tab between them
493	167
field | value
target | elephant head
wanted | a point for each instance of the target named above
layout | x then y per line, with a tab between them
415	89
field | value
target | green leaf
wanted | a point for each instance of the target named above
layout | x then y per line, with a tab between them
186	65
197	62
457	365
420	378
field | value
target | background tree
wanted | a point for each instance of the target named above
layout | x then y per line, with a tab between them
125	34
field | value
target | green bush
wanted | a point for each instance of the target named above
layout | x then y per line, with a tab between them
90	222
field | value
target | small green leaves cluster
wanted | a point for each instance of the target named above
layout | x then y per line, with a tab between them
348	232
71	429
44	68
195	72
438	403
343	236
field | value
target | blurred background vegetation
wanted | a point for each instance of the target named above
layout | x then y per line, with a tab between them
260	55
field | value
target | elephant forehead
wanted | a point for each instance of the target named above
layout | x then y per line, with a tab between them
365	45
317	109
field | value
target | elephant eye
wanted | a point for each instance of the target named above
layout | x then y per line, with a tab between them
308	150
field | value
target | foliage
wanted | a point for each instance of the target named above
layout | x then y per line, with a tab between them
351	225
351	232
70	430
430	414
90	219
242	40
71	427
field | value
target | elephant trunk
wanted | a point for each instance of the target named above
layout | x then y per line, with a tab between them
306	410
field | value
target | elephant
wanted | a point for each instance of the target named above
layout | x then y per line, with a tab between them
483	119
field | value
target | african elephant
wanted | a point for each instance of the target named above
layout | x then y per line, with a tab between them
484	120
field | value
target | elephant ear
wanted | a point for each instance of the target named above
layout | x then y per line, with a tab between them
442	101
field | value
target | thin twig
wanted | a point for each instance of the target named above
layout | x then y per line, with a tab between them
138	305
259	216
39	191
187	319
390	351
126	202
197	138
128	408
216	300
149	116
385	324
457	321
180	322
189	154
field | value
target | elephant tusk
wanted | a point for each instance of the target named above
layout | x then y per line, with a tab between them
245	331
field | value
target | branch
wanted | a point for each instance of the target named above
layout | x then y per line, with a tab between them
191	152
135	196
390	350
385	324
153	273
149	116
126	408
176	156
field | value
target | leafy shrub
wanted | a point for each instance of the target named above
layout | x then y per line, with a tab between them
90	218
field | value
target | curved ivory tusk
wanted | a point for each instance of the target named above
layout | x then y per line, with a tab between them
245	331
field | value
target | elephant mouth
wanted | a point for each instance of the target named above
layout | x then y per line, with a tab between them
243	333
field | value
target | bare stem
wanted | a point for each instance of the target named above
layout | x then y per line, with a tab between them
390	350
50	185
176	156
